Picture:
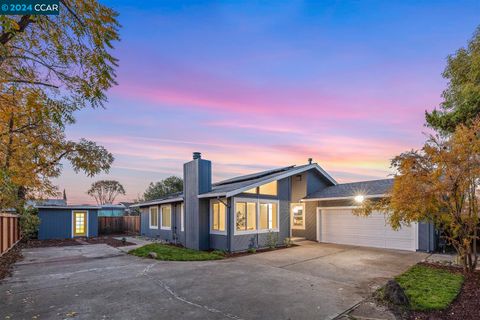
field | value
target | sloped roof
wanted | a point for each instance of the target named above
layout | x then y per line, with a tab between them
236	185
350	190
174	197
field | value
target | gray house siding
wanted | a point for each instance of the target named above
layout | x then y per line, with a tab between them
427	237
315	182
177	223
197	179
310	221
146	231
57	223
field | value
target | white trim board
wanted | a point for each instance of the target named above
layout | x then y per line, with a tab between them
87	234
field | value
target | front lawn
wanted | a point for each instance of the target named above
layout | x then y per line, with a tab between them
430	288
173	253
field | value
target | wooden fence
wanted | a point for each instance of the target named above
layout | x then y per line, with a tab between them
9	231
115	225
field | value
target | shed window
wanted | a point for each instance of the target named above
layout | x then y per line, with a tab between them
153	217
166	217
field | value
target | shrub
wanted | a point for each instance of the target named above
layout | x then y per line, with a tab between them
272	240
288	242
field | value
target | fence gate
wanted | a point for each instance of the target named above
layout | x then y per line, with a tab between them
9	231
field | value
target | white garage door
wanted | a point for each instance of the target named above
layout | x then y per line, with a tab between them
341	226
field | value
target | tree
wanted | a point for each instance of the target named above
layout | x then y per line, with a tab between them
461	98
105	191
163	188
66	55
50	67
33	144
439	184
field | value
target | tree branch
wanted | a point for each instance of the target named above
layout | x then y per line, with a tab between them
5	37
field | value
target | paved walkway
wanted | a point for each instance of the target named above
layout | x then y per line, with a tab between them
311	281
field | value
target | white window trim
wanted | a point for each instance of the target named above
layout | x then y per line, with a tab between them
161	217
257	201
150	217
182	217
73	226
291	216
211	217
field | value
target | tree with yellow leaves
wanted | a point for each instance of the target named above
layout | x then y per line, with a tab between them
440	184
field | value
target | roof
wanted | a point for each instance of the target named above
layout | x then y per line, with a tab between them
370	189
70	207
174	197
233	186
47	202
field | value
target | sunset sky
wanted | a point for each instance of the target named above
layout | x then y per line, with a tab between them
256	85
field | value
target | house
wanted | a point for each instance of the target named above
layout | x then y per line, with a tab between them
251	210
67	221
111	210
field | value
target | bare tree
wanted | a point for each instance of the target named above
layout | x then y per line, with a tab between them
105	191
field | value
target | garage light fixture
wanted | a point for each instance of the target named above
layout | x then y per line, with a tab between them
359	198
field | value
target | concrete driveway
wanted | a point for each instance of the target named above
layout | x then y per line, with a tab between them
311	281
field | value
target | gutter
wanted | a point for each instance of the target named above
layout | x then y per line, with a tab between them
383	195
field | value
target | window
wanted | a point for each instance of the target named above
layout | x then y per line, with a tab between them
218	217
253	190
298	215
246	215
268	218
269	189
182	218
153	217
166	217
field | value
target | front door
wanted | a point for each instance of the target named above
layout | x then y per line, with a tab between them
79	223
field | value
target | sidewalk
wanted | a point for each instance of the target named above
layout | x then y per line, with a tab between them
139	242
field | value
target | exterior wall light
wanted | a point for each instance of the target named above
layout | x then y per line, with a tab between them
359	198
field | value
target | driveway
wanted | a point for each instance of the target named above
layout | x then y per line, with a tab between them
311	281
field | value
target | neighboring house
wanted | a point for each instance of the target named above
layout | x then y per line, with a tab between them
67	221
111	210
296	201
47	202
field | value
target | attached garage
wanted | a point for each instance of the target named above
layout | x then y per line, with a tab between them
340	225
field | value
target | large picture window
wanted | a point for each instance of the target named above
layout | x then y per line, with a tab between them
218	217
298	215
268	216
166	217
246	215
153	217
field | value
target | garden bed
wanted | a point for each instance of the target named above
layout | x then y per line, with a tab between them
51	243
8	259
110	241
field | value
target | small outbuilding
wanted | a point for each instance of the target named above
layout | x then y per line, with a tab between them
62	222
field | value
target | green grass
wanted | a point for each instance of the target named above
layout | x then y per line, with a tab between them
173	253
430	288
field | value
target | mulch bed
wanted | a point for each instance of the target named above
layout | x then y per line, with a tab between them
466	306
51	243
8	259
110	241
247	253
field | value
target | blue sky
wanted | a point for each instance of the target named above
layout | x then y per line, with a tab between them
254	85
